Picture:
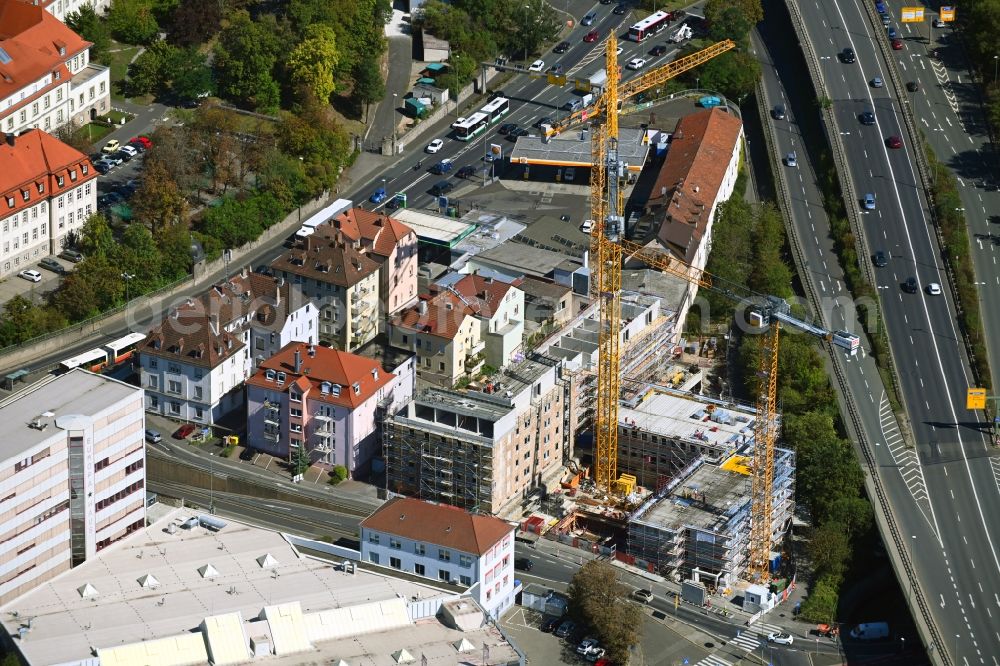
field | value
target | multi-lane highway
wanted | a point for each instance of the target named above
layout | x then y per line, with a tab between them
954	492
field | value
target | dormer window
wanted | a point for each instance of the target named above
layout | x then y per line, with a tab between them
281	377
357	388
324	388
62	50
375	374
84	169
57	75
26	194
10	202
41	187
60	180
269	375
335	390
72	175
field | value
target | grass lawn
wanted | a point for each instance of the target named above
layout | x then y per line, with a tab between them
119	56
93	132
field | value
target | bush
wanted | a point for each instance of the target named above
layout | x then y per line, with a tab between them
338	474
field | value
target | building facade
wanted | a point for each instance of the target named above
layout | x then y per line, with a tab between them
46	77
482	450
62	8
47	191
444	543
73	475
326	402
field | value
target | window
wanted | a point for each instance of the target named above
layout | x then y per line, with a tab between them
175	407
465	580
395	563
444	575
395	543
373	558
295	397
152	363
418	569
444	555
173	386
419	549
373	538
198	392
465	561
489	595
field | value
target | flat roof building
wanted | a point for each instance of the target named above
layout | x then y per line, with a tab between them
572	149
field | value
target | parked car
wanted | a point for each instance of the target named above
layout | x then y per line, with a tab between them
537	66
71	255
709	101
131	151
847	56
894	142
30	275
589	18
153	436
587	226
52	265
102	167
184	431
586	645
595	655
658	50
561	47
523	563
434	146
780	638
111	146
143	140
442	167
550	624
565	629
123	156
636	63
938	23
113	160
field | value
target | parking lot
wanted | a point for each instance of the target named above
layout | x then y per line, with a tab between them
37	292
659	646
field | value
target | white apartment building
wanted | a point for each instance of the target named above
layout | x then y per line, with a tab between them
445	543
72	475
46	77
61	8
47	190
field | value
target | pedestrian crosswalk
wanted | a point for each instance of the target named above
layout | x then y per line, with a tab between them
712	660
749	638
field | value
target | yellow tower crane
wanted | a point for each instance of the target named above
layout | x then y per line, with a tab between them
609	247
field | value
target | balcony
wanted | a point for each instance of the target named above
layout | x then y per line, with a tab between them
272	435
476	348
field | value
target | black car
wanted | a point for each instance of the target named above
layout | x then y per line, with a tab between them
102	167
544	120
549	625
867	118
123	156
658	50
507	128
523	563
561	47
847	55
496	94
606	2
912	86
441	187
466	172
520	131
880	259
619	9
910	286
778	112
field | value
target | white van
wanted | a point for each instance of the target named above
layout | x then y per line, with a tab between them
870	631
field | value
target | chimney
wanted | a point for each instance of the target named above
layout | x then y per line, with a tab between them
11	139
277	294
213	322
422	307
298	361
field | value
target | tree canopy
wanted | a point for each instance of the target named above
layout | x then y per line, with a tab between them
599	600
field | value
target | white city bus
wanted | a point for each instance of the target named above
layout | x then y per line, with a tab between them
471	127
649	26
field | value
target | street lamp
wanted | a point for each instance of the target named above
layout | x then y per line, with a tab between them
128	278
996	59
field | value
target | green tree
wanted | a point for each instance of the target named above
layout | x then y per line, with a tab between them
20	321
190	75
734	74
300	461
461	69
158	202
729	22
139	256
174	242
133	21
751	10
829	549
245	56
195	22
599	600
76	298
820	605
312	63
368	84
152	69
96	237
86	23
853	513
530	23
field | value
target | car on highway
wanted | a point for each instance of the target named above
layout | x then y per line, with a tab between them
442	167
591	36
912	86
867	118
111	146
934	289
780	638
544	120
466	172
636	63
556	69
658	50
897	45
496	94
877	82
589	18
619	9
507	128
586	645
645	596
520	131
523	563
71	255
537	66
30	275
791	159
52	265
561	47
378	196
184	431
869	201
778	112
880	259
153	437
606	2
894	142
886	20
441	187
891	32
434	146
910	285
565	629
847	56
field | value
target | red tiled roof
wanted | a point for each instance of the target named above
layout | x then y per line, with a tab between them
33	39
379	233
323	364
190	336
483	294
691	176
38	160
334	260
443	315
438	524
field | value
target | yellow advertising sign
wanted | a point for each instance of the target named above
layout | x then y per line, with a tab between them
975	398
947	14
912	15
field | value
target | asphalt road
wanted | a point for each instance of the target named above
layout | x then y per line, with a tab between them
955	489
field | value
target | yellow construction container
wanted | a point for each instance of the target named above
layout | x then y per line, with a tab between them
626	484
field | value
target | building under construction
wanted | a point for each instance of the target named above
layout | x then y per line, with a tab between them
697	524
